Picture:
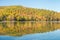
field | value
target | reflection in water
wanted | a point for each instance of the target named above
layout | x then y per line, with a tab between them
22	28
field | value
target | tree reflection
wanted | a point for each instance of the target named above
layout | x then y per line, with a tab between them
25	27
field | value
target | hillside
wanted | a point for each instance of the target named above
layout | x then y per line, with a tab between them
20	13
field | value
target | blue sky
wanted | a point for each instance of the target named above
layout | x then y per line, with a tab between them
42	4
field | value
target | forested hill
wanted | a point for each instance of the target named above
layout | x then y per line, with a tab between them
20	13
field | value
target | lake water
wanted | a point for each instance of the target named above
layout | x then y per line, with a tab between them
30	30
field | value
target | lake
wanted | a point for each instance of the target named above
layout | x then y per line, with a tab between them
30	30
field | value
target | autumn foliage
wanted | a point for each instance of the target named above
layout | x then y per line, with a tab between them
20	13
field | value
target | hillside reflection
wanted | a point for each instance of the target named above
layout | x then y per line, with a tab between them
22	28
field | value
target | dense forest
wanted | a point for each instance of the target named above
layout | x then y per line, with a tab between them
21	13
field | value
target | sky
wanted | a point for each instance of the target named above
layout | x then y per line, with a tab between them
41	4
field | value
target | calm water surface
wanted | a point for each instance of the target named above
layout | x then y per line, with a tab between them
30	30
